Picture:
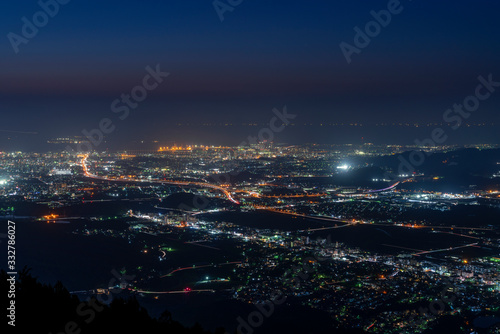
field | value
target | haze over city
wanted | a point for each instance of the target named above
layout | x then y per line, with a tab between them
261	56
235	166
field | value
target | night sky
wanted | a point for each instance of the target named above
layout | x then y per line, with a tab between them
264	55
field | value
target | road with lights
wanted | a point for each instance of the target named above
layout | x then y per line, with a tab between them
178	183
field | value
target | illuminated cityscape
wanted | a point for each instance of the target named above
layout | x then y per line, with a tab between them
322	224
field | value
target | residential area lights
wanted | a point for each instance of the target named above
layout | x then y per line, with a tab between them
199	184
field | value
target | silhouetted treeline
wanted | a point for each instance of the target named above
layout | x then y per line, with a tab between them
42	308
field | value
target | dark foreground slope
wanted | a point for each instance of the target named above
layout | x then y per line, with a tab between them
42	308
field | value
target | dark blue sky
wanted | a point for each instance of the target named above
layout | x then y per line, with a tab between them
265	54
